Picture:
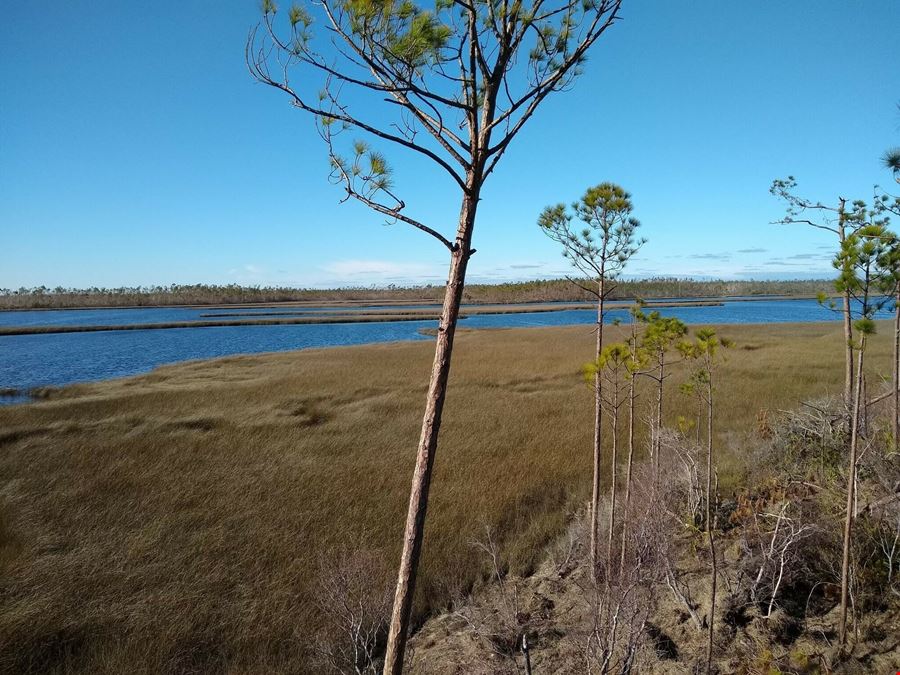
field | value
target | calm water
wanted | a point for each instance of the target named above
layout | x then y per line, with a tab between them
124	317
131	316
28	361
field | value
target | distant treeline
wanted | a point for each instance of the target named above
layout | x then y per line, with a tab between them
524	291
656	287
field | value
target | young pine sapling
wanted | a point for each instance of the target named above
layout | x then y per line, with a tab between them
704	351
863	277
612	367
599	249
660	336
842	222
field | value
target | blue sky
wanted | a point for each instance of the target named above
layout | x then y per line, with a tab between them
135	149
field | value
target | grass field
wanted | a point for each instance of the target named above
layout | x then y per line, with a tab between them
174	522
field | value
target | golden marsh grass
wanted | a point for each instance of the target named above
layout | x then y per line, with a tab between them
172	522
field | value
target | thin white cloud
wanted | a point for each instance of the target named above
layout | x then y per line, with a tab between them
248	273
709	256
378	269
808	256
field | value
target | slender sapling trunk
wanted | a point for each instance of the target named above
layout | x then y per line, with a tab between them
710	526
895	380
847	318
699	418
657	440
851	496
628	469
614	460
598	429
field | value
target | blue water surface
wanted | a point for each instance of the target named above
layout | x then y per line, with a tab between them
28	361
140	315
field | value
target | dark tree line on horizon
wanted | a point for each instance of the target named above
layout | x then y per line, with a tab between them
541	290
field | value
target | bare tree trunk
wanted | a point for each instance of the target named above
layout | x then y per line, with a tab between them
431	423
848	339
896	370
657	441
614	460
628	474
863	429
851	497
598	429
848	321
699	417
709	522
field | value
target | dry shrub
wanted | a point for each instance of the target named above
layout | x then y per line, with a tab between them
680	468
681	463
772	539
354	596
568	551
789	524
501	618
622	592
810	442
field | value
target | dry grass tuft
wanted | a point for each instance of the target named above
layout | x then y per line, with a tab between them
172	522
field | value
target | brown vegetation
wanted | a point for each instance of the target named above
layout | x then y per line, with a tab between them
779	573
174	522
523	291
469	310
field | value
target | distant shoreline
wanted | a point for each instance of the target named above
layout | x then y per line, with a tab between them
347	306
552	290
